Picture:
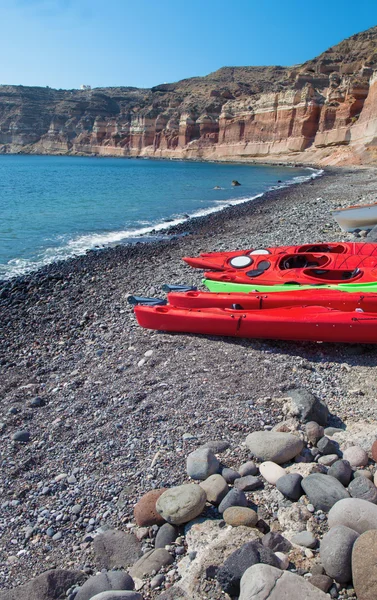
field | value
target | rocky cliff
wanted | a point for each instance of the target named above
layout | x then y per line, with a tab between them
323	111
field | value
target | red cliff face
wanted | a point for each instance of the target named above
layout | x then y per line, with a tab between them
323	111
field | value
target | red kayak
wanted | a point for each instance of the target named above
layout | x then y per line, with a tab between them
308	276
257	301
310	323
305	268
241	259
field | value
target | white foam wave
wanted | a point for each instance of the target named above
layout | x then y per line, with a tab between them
80	245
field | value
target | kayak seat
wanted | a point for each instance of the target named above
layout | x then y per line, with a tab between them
302	261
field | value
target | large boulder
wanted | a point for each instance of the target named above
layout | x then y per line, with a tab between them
355	513
116	549
336	551
323	491
274	446
301	403
264	582
364	563
50	585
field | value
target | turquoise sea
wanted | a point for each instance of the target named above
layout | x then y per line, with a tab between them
56	207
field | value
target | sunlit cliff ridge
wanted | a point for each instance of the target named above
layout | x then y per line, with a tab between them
323	111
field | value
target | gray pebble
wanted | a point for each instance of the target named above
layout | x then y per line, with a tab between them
21	436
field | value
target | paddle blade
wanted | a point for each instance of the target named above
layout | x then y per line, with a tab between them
178	288
135	300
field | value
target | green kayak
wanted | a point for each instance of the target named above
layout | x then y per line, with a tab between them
226	287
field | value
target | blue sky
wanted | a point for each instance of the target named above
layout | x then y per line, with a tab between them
66	43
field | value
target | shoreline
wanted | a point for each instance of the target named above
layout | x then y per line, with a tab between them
184	226
117	408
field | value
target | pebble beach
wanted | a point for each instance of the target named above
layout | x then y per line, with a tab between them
96	412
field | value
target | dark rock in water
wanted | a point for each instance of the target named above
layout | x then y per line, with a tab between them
363	488
112	580
235	182
116	549
21	436
327	446
341	470
51	585
307	407
233	498
166	535
323	491
230	573
276	542
290	486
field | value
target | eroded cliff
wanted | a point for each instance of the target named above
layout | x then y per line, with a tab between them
323	111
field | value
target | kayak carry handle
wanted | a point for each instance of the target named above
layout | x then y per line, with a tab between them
135	300
167	287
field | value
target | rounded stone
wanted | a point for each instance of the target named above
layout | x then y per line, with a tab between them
215	487
240	515
230	573
247	483
362	487
230	475
323	491
355	513
341	470
182	503
248	468
328	459
105	582
327	446
356	456
117	595
374	451
314	432
271	471
290	486
276	542
336	551
166	535
217	446
233	498
305	538
202	463
274	446
21	436
322	582
284	560
145	512
263	582
364	572
363	473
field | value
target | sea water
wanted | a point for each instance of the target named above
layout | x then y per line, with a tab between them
56	207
